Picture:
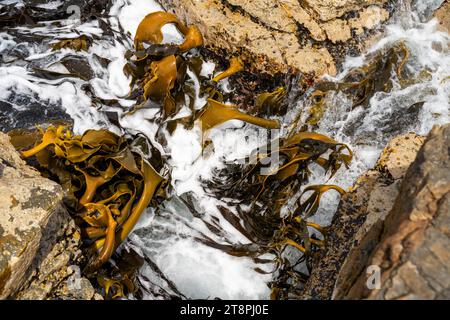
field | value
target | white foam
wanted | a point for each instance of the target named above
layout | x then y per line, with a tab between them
197	270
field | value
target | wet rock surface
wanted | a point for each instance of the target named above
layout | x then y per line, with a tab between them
14	117
277	36
38	240
396	218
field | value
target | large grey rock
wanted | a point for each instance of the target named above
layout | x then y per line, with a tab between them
282	35
38	239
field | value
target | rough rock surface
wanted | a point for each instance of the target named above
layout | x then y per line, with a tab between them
277	36
358	222
443	16
38	239
413	251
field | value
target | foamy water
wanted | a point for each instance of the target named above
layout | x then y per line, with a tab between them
166	235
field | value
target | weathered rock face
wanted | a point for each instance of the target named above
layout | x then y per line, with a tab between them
38	239
413	251
357	224
443	16
396	220
277	36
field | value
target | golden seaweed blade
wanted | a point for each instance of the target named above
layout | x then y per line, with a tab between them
216	113
361	83
113	288
52	136
317	144
193	39
317	110
271	191
149	30
103	175
271	102
236	65
118	279
309	207
159	81
296	232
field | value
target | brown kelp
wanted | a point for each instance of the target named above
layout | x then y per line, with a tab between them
376	76
236	65
82	43
269	188
216	113
159	71
108	182
156	67
107	185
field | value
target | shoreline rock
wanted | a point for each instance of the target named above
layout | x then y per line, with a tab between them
395	219
39	241
285	35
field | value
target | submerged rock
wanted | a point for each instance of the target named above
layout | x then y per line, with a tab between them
278	36
394	220
39	242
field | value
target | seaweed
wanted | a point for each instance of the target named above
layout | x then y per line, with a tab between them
109	180
107	184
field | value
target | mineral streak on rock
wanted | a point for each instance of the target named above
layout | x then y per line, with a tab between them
282	35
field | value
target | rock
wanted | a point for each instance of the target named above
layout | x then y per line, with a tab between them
412	253
358	222
38	239
308	36
443	16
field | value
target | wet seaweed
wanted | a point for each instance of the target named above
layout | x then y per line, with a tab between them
109	180
107	184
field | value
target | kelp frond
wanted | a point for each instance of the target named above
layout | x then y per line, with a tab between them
149	30
236	65
216	113
193	39
81	43
102	173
